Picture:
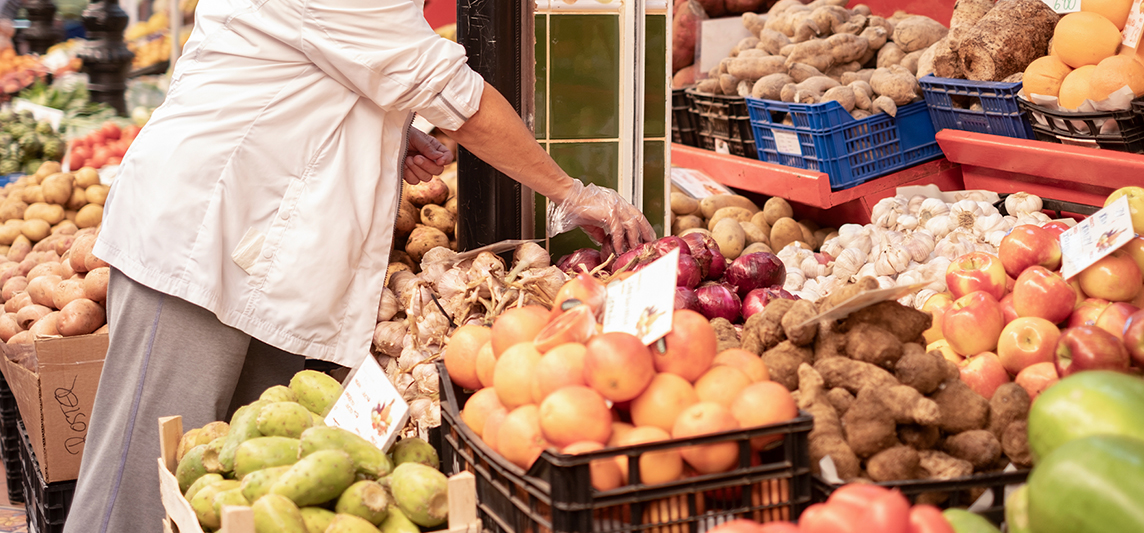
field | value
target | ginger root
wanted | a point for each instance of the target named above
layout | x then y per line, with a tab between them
763	331
872	344
854	375
801	311
826	439
978	446
896	463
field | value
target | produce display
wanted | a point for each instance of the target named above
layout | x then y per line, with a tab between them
18	71
150	40
298	475
25	143
103	146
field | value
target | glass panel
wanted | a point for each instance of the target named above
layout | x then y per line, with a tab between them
592	163
655	75
585	76
654	180
541	93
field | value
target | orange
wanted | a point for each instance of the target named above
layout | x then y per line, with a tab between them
721	384
512	376
573	414
461	355
665	397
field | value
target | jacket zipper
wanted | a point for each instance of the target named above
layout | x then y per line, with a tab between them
401	176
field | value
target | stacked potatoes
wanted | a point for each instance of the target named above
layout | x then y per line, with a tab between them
741	227
426	219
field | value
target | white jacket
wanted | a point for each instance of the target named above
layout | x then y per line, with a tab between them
265	187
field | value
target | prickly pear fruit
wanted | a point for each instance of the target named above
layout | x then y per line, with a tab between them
348	523
229	497
284	419
191	467
421	492
278	393
257	484
213	431
277	514
203	502
315	390
366	499
316	420
243	427
414	450
186	442
397	522
368	459
317	519
200	483
316	478
264	452
210	456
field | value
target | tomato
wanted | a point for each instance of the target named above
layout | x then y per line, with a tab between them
856	495
110	130
928	519
889	513
97	161
82	151
95	138
778	527
1086	403
130	132
77	162
117	149
823	518
82	141
114	160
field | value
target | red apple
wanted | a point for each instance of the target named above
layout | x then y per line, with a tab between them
1087	312
1027	341
1134	338
1007	309
1115	317
1135	248
973	324
1080	295
937	306
1036	378
1042	293
983	373
1056	228
977	271
1089	348
1115	277
946	351
1027	245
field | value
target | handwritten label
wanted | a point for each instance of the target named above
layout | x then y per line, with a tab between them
1134	26
696	184
76	419
1063	6
639	305
787	142
370	406
1095	237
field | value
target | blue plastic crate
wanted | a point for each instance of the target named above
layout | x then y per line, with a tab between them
949	103
852	152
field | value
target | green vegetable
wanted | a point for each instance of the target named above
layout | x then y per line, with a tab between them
1096	402
966	522
1093	484
1017	511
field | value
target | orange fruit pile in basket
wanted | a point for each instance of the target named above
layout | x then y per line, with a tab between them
551	380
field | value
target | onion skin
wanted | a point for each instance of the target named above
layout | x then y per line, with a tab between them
757	270
687	273
718	301
587	257
706	251
757	300
686	299
671	242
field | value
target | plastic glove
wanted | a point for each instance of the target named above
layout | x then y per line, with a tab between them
602	214
426	158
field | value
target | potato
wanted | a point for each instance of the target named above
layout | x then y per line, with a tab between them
807	236
78	199
820	236
96	194
47	168
65	227
4	249
406	221
438	217
80	250
17	302
757	247
67	290
695	230
32	194
451	204
42	289
711	204
685	223
776	208
86	177
36	229
754	233
783	232
737	213
433	191
47	268
80	317
57	188
9	232
8	326
20	247
50	213
45	326
29	315
95	284
423	239
90	216
92	262
14	285
682	204
760	219
730	237
23	337
12	209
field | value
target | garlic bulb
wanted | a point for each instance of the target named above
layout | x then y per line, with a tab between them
907	222
922	297
994	237
987	224
954	245
847	264
885	213
829	284
425	375
892	261
976	196
941	225
404	384
864	242
388	336
930	208
805	294
921	245
1022	203
866	271
885	282
848	232
915	205
832	247
387	307
910	277
1037	219
810	285
411	357
794	280
907	300
964	214
987	208
813	268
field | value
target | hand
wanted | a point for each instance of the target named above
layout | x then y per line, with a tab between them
426	158
602	214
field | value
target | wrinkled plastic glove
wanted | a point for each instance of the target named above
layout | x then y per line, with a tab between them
426	157
602	214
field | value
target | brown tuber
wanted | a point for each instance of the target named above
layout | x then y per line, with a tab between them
725	335
940	465
872	344
783	361
906	323
962	409
892	464
854	375
763	331
793	319
826	438
978	446
1015	444
869	428
840	398
924	372
1009	404
920	437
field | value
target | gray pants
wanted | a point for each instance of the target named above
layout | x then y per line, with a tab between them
166	357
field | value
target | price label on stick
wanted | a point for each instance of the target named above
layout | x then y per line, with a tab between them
1063	6
370	406
642	304
1095	237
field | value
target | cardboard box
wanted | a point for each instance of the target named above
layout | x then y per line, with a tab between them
55	402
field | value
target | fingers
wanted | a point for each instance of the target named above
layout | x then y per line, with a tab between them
597	235
427	165
415	172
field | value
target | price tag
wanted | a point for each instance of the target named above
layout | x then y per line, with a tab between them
370	406
721	147
787	142
1095	237
866	299
1134	26
39	112
1063	6
695	183
639	305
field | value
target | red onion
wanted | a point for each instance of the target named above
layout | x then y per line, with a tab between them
758	299
752	271
644	253
718	301
670	243
706	251
687	274
686	299
586	257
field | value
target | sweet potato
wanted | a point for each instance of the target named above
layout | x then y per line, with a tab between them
770	87
753	68
684	78
17	302
800	72
8	326
684	33
896	82
747	43
67	291
845	47
713	8
754	22
46	326
772	41
842	94
23	337
966	13
743	6
876	37
80	317
816	53
28	315
727	84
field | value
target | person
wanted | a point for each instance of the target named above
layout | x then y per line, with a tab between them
252	218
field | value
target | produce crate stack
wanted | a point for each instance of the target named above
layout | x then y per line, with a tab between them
979	106
47	504
10	443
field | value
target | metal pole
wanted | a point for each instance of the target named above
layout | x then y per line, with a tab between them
41	34
106	58
494	34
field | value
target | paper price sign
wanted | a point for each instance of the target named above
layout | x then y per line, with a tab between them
1063	6
1095	237
642	304
1134	25
370	406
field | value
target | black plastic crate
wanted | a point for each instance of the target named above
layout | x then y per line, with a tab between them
556	495
959	492
723	123
682	119
951	104
10	443
46	504
1077	129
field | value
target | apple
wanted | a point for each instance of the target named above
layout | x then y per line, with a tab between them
1114	318
1115	277
976	271
1134	337
1042	293
974	323
1135	205
1007	309
1027	245
1036	378
1027	341
1087	312
1080	295
1135	248
937	305
946	351
1090	348
983	373
1056	227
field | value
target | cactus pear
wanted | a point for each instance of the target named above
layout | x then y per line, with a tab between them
243	427
278	393
421	492
316	420
348	523
210	456
188	441
213	431
414	450
316	478
200	483
203	502
277	514
317	519
191	467
368	459
397	522
229	497
284	419
264	452
315	390
257	484
366	499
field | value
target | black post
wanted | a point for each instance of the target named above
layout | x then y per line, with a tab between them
41	34
106	58
492	32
